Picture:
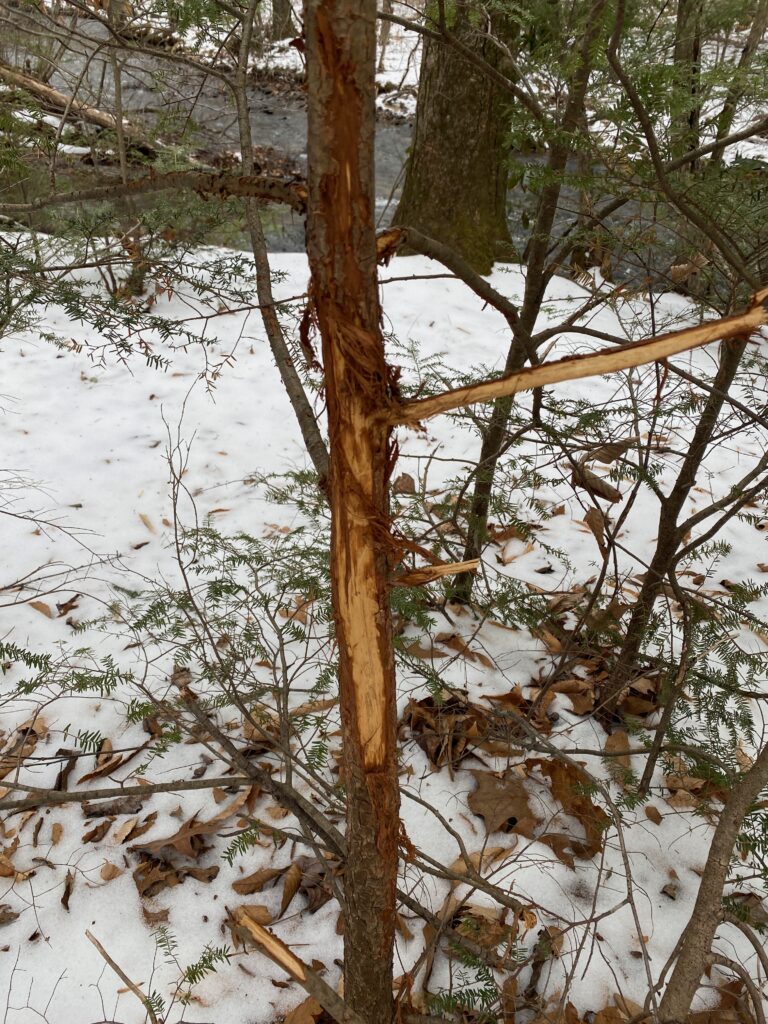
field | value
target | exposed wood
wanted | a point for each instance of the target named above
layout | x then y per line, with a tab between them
340	37
279	953
577	367
418	577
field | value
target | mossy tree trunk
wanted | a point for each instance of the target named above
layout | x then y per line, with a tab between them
282	26
455	187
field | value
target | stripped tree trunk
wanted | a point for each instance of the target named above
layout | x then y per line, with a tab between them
340	44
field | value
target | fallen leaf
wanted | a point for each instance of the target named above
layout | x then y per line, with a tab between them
404	484
445	726
608	453
21	745
456	643
69	884
110	871
153	917
617	745
257	912
57	831
257	881
67	606
595	520
42	607
147	522
98	832
502	802
307	1012
188	840
653	814
594	484
570	787
7	914
291	883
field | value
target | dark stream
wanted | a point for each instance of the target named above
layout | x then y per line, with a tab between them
166	97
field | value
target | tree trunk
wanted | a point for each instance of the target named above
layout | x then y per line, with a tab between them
536	280
737	89
455	186
282	20
668	536
696	946
340	42
384	29
686	57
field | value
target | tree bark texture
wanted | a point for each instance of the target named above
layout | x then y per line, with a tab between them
340	43
455	188
282	19
536	280
668	537
687	57
696	947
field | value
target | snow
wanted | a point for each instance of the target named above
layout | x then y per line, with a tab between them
90	443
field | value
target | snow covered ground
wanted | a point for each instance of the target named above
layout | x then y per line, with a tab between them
85	448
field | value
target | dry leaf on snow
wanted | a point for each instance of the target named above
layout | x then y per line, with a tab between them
307	1012
446	727
110	871
188	841
458	644
570	787
21	745
502	802
596	485
42	607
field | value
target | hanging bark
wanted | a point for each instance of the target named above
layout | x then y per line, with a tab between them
455	188
340	44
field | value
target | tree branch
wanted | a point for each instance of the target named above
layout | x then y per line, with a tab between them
209	185
577	367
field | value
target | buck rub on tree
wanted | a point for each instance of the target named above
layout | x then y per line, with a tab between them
340	44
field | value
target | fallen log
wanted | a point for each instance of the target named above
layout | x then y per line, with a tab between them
72	107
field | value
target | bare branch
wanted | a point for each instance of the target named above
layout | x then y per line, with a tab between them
209	185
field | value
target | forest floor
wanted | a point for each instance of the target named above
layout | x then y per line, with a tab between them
87	507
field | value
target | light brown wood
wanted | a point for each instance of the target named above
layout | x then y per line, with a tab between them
576	367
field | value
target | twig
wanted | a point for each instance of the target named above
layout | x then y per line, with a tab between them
124	978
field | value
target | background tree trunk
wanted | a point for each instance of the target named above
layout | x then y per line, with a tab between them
455	186
687	56
282	20
669	537
536	280
341	51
